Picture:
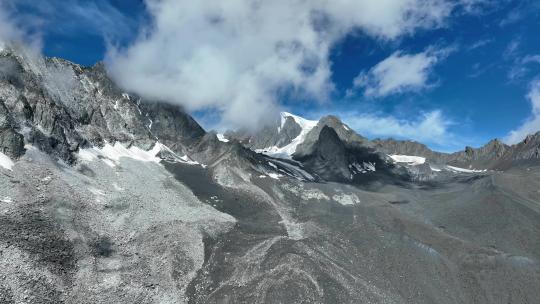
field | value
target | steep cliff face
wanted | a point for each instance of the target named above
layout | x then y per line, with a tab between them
60	107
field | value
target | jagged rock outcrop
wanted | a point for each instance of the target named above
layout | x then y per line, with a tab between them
528	149
11	142
61	107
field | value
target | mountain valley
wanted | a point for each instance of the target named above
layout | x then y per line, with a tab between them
106	197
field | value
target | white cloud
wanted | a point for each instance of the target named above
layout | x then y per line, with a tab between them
512	48
531	59
521	67
8	32
479	44
513	17
239	56
431	127
532	124
14	31
399	73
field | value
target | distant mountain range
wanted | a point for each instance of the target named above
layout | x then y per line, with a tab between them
294	137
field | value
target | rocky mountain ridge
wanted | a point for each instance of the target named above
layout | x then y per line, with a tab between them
494	155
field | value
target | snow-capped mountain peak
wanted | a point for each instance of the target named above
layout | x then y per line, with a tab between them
301	121
288	150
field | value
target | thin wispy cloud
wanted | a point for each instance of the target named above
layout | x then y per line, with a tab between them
74	18
512	17
480	44
520	64
400	72
531	59
512	48
12	31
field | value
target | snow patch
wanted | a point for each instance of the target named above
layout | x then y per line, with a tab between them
274	175
221	137
111	154
6	199
189	161
6	162
463	170
346	199
118	151
408	159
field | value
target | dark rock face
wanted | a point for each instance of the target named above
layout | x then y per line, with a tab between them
11	142
344	133
329	158
336	160
288	132
171	125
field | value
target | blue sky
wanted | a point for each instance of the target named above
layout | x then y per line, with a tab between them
454	76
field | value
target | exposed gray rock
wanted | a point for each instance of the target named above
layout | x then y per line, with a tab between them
344	133
409	147
63	106
334	159
11	142
277	134
329	157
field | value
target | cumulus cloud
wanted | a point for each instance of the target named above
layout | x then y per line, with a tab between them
240	57
532	124
399	73
430	127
